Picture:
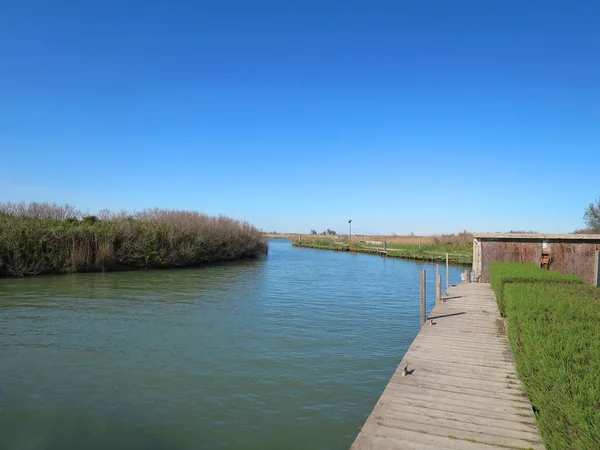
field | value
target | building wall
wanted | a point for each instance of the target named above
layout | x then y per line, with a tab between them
569	257
577	259
507	251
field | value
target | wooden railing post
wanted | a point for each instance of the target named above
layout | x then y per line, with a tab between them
423	297
447	271
438	289
467	276
384	246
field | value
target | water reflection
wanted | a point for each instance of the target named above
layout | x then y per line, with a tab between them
290	351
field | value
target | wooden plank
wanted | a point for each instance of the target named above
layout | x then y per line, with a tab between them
498	418
453	427
411	423
459	379
486	388
395	438
476	398
478	408
423	296
462	391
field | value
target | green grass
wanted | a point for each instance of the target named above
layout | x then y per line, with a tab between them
554	329
435	248
426	252
502	273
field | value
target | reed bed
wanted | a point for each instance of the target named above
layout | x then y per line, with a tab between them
40	238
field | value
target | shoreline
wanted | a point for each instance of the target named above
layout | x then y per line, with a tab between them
439	257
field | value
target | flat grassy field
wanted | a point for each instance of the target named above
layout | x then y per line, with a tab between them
554	330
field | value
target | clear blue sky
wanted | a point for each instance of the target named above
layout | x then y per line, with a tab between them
415	116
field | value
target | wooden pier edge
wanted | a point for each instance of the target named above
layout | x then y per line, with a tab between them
461	391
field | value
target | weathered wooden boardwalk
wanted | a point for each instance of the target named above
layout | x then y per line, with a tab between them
462	391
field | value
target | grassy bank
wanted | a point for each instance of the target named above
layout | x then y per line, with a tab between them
44	238
554	329
431	251
504	274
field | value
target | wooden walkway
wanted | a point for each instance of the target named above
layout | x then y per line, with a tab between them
463	392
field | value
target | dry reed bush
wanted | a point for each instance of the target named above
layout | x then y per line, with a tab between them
37	210
462	240
401	240
47	238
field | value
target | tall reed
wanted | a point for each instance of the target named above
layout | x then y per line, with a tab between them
39	238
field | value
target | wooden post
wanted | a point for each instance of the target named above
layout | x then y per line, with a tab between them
423	297
467	276
598	268
299	238
446	271
438	289
385	246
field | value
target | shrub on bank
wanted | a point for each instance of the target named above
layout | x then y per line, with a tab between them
44	238
554	329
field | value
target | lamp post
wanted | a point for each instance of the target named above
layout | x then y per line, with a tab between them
350	230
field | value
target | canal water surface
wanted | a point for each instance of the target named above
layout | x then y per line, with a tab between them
290	351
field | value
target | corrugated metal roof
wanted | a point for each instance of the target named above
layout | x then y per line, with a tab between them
536	236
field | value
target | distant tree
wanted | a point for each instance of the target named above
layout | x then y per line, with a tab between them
324	233
313	232
330	232
592	216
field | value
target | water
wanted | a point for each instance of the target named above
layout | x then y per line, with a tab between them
290	351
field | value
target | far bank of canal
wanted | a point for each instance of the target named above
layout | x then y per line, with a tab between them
433	253
289	351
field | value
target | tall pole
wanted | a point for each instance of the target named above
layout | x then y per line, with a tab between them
350	232
447	271
423	297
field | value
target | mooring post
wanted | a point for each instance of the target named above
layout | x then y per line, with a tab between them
438	289
446	271
385	246
423	296
467	276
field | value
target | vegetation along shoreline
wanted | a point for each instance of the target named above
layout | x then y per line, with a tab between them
553	327
432	249
46	238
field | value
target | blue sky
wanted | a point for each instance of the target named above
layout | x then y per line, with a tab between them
420	116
